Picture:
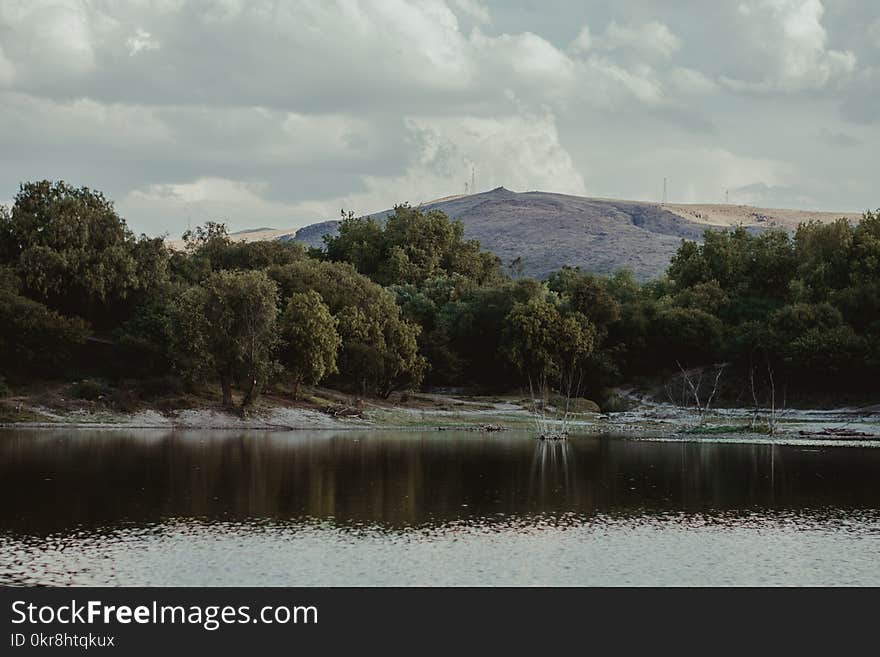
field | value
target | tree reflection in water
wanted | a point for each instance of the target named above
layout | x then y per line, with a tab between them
62	480
553	469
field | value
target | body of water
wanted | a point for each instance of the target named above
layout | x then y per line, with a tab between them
433	508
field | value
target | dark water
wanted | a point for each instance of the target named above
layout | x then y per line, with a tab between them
318	508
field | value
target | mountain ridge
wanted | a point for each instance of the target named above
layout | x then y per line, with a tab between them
547	230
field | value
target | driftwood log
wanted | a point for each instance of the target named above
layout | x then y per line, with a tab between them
338	410
553	436
834	432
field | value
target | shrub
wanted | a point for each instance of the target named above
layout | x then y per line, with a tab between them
89	389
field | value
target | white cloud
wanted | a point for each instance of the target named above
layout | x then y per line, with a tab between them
608	85
788	44
688	81
80	123
363	104
141	40
51	39
205	190
652	38
240	204
522	59
583	41
702	174
7	70
619	66
475	10
770	196
519	151
409	55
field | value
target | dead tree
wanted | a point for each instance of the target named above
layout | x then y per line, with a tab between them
695	387
552	420
757	411
774	412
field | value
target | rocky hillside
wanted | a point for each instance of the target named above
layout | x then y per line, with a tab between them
547	231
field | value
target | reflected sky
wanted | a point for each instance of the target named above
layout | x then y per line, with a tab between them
329	508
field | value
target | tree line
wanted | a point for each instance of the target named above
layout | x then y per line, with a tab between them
397	304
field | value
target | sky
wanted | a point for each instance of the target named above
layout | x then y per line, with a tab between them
282	113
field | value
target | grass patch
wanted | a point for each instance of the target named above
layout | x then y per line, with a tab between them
429	420
575	404
557	403
10	414
89	390
725	428
616	403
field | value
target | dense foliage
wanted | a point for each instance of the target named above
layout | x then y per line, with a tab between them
411	247
310	339
73	253
227	327
407	301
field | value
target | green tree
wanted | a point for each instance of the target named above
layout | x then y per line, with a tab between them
586	294
464	347
545	345
34	340
708	297
824	254
379	347
865	261
741	264
687	335
144	343
309	339
360	242
73	252
210	248
228	327
411	247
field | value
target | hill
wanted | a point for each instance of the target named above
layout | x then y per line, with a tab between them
548	230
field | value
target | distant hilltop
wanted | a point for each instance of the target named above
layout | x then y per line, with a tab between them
547	231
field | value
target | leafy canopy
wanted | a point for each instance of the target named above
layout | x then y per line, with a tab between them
309	339
228	328
411	247
73	252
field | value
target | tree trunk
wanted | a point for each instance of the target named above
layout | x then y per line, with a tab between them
251	395
226	385
296	389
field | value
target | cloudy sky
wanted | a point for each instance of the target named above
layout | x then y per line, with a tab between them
280	113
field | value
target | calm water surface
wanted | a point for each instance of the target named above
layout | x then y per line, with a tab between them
356	508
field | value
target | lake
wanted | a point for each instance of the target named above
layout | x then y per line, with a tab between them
431	508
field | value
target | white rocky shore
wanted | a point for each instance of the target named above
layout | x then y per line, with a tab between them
278	418
649	420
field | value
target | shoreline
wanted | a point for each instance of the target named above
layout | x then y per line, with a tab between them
323	409
643	435
650	422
